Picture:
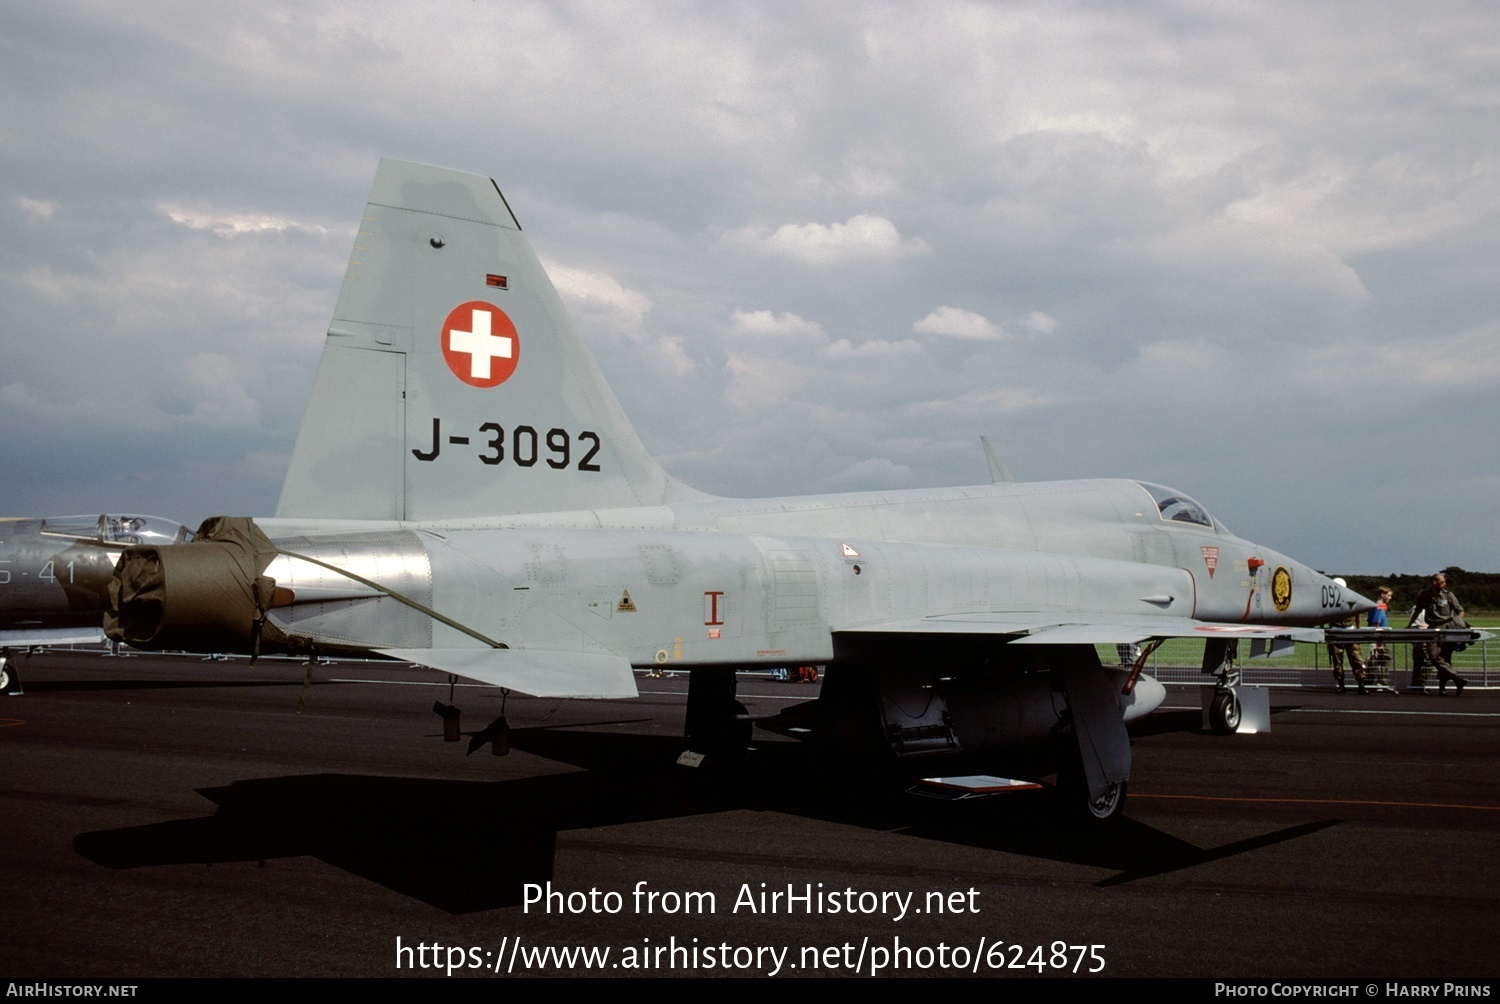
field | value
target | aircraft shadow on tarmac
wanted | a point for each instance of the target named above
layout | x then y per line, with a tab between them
1163	722
463	846
107	686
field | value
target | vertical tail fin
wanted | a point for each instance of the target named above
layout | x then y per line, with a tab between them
452	384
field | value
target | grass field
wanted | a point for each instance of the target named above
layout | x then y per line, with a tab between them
1304	662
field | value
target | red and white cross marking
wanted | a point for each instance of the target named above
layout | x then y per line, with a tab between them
480	344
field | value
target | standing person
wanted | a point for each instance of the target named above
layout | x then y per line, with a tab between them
1440	609
1379	665
1337	652
1418	684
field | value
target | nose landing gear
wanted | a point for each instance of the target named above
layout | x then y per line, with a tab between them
1224	710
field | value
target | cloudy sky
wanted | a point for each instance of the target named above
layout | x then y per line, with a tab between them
1250	250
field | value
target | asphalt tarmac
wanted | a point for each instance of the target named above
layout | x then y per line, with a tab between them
174	817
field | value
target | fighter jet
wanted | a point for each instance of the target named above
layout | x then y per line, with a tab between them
55	574
466	494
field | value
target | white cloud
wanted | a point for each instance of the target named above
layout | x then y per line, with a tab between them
765	324
862	238
596	292
39	208
1463	362
874	349
226	224
978	403
759	382
1255	258
599	305
955	322
874	473
1039	322
770	357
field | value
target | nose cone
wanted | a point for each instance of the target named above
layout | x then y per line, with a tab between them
1343	601
1357	603
1320	599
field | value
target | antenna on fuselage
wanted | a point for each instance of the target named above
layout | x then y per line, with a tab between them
998	472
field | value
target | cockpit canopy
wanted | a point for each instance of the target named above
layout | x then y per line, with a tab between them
1175	507
121	529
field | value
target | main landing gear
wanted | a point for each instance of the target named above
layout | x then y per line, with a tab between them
718	726
10	680
1078	807
1224	713
1096	766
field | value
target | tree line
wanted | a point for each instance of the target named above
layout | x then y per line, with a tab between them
1475	590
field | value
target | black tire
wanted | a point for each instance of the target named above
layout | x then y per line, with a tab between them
1079	808
1224	713
1110	806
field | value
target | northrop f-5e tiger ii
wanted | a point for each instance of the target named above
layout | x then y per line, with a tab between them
467	494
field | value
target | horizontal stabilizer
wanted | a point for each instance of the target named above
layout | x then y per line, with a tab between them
19	637
530	671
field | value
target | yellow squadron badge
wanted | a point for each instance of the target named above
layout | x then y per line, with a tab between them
1281	589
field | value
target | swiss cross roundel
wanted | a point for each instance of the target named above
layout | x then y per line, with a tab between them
480	344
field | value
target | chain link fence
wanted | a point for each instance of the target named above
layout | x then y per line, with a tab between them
1307	665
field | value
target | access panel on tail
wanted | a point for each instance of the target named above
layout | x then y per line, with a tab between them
452	383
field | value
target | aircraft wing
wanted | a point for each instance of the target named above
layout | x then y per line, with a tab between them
21	637
540	673
1043	629
1402	636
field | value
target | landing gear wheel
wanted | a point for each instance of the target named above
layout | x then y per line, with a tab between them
1108	806
4	676
1080	809
1224	713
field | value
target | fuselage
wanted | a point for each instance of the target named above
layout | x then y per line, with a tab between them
771	581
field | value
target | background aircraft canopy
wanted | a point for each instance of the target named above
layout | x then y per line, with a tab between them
121	529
